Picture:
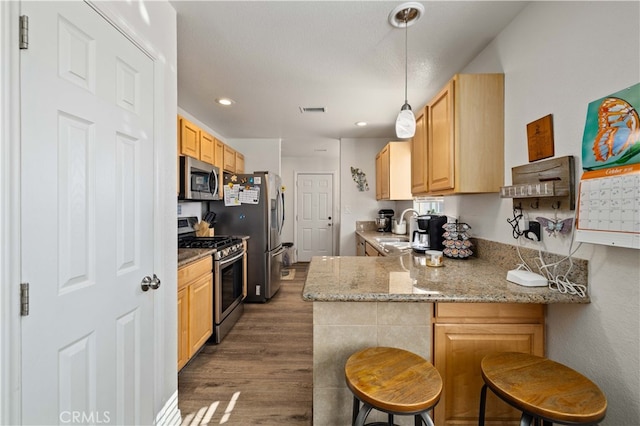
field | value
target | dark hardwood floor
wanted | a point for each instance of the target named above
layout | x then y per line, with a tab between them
261	373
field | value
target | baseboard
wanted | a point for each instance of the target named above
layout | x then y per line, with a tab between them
169	415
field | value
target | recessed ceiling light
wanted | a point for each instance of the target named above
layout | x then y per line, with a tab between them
361	123
225	101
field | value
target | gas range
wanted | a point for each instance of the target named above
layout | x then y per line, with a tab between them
224	246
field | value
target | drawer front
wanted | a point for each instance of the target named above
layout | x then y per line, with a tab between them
511	313
193	271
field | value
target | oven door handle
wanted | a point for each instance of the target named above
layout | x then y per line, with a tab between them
225	262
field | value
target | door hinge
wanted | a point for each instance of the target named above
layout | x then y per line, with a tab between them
24	32
24	299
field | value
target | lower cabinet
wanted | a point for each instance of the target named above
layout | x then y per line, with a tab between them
360	246
463	333
195	308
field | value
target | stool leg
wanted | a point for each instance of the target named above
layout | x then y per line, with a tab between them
483	402
362	415
389	419
356	410
526	419
425	417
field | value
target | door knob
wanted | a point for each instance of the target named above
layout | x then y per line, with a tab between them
146	283
155	282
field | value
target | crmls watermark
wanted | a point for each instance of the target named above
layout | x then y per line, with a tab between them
85	417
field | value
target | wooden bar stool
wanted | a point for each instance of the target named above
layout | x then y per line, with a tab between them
393	381
542	389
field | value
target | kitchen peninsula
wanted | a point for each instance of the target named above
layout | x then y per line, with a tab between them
452	315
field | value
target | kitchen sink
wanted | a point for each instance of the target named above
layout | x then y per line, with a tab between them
387	240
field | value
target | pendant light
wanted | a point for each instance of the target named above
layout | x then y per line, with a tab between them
405	15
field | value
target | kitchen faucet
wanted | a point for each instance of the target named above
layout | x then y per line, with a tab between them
412	224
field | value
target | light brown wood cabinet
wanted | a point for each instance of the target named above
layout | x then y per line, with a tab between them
360	250
229	164
195	308
393	172
419	155
464	137
207	147
370	250
189	138
239	163
463	333
196	143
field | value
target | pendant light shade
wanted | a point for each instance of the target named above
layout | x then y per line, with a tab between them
403	16
405	123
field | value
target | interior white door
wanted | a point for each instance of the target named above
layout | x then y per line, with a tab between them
314	197
87	220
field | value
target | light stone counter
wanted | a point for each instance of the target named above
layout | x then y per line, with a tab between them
405	279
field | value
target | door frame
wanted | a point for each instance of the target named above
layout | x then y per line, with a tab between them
336	219
165	265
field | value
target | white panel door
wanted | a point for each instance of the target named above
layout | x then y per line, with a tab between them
87	220
314	215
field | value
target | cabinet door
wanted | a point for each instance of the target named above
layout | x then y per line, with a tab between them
229	159
239	163
183	327
200	312
384	180
360	246
218	156
440	140
419	156
207	146
189	138
379	176
458	350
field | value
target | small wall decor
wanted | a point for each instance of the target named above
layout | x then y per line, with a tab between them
360	178
540	138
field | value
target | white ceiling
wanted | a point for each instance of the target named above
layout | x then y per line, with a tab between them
274	57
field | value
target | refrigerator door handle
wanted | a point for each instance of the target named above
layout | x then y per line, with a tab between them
279	252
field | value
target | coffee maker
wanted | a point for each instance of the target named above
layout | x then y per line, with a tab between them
429	233
385	219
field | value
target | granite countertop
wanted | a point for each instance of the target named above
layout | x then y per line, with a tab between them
186	256
403	276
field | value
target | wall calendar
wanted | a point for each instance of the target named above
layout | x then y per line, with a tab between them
608	208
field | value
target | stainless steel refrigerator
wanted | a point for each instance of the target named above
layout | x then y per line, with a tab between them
253	205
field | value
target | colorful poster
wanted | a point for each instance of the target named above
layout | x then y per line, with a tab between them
612	131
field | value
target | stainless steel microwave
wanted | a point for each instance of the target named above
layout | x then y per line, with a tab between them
198	180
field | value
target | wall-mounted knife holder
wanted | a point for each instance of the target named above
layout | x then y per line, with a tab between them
543	184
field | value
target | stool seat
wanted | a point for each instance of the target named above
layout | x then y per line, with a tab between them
544	388
393	380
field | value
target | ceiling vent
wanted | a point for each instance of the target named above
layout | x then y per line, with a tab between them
314	109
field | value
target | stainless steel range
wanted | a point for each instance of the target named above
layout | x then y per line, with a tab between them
228	274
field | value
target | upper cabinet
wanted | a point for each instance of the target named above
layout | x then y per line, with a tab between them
189	138
419	155
195	142
229	159
393	172
464	138
207	146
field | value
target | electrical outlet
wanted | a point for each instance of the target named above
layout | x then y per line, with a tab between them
533	232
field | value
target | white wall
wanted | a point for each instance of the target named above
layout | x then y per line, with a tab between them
356	205
584	51
260	155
